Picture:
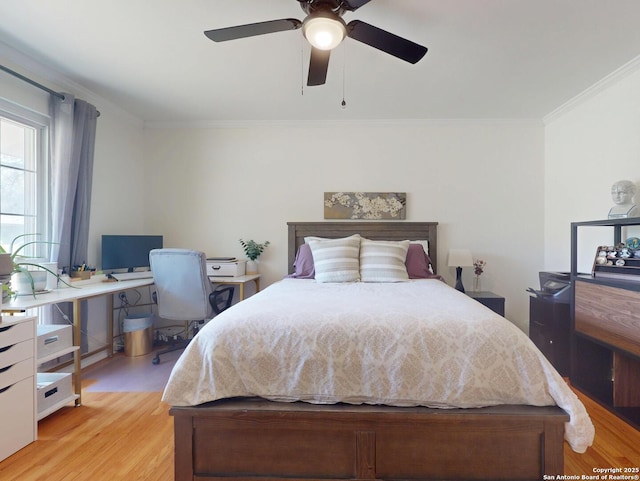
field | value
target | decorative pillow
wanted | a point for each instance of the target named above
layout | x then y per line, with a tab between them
303	265
383	261
423	243
312	238
336	260
418	262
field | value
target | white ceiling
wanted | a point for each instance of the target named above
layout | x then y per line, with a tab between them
487	59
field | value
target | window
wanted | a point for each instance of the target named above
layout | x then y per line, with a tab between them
24	181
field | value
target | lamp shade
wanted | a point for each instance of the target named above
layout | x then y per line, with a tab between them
324	31
460	258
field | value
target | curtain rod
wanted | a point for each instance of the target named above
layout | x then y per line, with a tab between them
34	83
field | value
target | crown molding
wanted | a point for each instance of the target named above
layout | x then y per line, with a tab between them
368	123
614	77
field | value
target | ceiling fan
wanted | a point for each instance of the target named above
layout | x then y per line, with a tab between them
324	28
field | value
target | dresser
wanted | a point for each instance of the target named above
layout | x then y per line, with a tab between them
605	354
18	423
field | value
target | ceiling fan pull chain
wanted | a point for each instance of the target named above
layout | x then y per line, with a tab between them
302	66
343	104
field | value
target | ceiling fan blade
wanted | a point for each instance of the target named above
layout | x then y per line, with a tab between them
318	66
354	4
387	42
253	29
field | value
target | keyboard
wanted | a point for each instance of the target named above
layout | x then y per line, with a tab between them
127	276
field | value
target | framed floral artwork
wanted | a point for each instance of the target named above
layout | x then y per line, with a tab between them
365	205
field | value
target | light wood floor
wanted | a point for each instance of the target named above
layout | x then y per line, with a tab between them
616	445
112	436
129	436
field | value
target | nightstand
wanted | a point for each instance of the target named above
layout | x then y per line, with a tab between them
550	331
489	299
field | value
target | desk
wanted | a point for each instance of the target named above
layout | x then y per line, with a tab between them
85	290
239	281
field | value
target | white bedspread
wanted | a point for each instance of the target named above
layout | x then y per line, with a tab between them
416	343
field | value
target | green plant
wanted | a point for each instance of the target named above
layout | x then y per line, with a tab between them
21	265
252	249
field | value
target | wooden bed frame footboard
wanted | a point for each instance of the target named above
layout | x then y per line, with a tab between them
253	439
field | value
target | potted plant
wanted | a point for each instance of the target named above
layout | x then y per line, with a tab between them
253	250
11	263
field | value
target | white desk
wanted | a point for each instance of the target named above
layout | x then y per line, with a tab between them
84	290
239	281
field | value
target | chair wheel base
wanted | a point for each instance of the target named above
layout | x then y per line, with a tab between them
156	360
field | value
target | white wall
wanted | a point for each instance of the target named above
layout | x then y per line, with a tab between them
481	180
589	146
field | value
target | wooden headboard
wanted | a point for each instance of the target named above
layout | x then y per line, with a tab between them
371	230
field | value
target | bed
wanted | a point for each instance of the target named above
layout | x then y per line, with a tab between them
243	412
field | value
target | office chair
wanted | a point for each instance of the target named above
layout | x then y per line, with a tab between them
184	292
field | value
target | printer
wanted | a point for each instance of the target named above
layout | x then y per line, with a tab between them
225	267
554	287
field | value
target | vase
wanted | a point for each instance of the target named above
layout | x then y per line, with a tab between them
6	264
477	284
252	267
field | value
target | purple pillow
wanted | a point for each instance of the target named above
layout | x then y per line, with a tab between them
418	263
303	265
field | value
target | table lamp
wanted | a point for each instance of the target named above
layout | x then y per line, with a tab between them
460	258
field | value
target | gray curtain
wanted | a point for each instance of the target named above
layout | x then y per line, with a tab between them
72	144
73	134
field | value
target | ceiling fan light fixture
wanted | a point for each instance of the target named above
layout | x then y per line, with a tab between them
324	32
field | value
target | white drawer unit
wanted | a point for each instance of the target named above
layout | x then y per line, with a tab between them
16	372
54	391
12	331
18	424
54	340
16	352
17	417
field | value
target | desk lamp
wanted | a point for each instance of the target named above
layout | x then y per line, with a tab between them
460	258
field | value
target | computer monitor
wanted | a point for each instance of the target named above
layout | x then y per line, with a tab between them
128	251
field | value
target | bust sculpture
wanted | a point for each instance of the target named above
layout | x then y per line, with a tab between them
622	193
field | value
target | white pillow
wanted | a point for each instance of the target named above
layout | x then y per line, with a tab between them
336	260
383	261
423	243
313	238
